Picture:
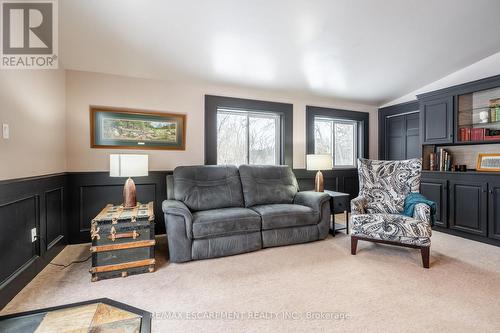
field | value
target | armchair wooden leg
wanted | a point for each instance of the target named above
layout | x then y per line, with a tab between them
426	253
354	245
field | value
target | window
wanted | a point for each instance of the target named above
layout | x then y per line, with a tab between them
246	137
246	131
337	138
343	134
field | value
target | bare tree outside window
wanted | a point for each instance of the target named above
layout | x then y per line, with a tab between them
344	144
338	138
247	138
323	137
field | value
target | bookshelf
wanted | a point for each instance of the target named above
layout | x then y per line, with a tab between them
478	116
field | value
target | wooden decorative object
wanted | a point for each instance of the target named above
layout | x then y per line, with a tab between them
129	194
488	162
319	185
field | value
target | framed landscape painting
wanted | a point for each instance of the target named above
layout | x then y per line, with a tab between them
136	129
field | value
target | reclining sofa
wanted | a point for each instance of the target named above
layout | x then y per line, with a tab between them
215	211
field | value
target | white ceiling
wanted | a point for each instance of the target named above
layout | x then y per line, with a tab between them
369	51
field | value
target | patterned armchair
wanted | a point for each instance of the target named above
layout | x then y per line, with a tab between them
377	211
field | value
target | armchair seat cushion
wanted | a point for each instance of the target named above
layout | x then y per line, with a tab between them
225	222
286	215
392	227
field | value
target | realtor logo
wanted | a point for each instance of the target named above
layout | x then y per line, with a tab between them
29	34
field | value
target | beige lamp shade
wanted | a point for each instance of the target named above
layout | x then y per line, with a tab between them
128	165
319	162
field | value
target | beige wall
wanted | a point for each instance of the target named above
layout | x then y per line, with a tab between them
33	104
86	88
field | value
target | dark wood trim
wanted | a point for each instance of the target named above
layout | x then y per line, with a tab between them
19	270
25	179
89	192
214	102
385	112
425	250
97	108
361	117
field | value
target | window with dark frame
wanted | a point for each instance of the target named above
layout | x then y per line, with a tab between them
338	138
246	137
244	131
343	134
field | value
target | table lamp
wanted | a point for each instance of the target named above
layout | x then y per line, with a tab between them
128	165
319	162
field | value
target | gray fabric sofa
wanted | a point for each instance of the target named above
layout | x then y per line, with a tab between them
215	211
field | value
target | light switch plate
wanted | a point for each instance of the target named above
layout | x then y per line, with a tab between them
5	131
33	235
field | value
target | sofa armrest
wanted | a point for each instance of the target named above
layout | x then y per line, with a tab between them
179	226
358	205
311	199
178	208
422	212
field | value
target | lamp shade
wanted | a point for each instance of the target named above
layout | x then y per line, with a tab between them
319	162
128	165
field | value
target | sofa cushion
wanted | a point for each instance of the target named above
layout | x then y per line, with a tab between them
208	187
224	222
284	215
268	184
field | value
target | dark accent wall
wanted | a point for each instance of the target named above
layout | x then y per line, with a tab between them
89	192
345	180
284	109
37	202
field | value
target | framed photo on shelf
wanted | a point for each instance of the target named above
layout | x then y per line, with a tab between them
488	162
136	129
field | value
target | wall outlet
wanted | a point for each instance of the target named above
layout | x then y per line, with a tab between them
5	131
33	235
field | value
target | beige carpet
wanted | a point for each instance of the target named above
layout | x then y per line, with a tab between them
302	288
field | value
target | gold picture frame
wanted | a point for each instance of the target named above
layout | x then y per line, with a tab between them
488	162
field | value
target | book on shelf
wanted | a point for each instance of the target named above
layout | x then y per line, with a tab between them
433	162
464	134
495	110
441	161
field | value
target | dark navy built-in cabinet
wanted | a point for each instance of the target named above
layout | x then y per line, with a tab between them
468	203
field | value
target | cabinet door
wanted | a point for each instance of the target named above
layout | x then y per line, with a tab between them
494	210
395	138
436	121
437	190
468	204
413	147
402	137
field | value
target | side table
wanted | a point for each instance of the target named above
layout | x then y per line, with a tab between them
339	203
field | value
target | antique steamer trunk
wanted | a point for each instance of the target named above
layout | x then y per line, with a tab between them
123	241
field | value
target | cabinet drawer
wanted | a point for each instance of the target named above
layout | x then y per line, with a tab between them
339	205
